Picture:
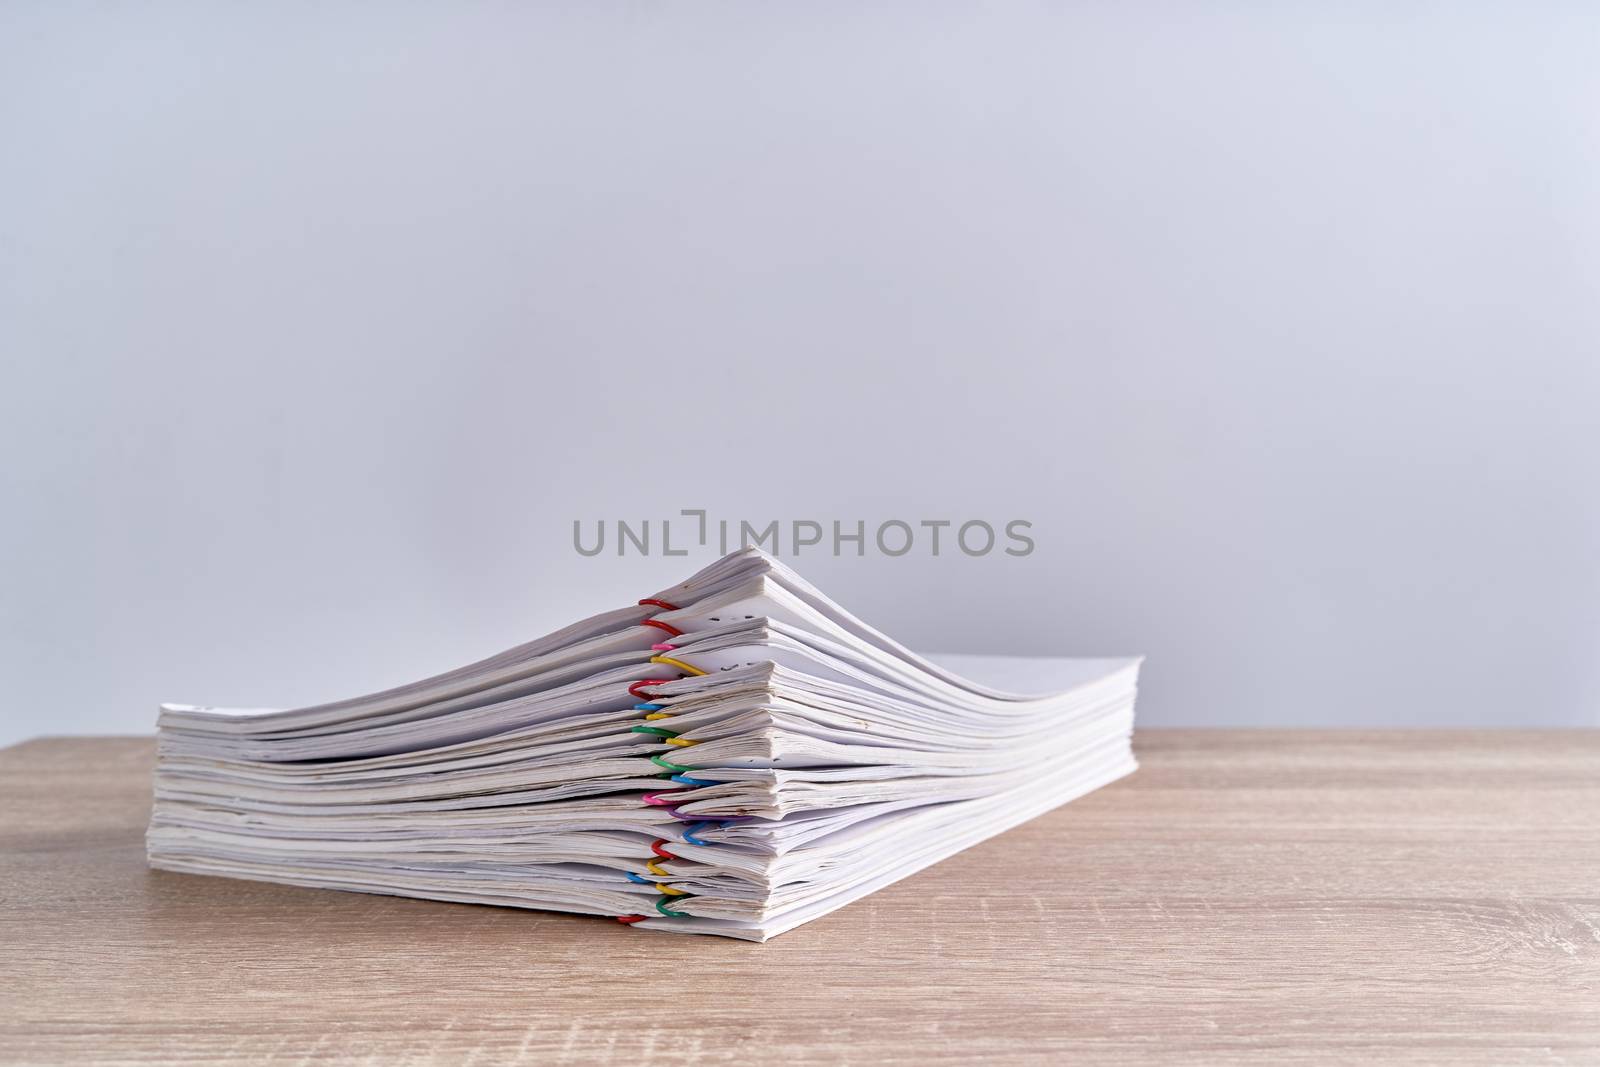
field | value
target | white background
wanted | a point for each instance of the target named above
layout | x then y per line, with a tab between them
321	324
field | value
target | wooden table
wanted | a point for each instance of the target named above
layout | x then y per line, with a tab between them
1247	897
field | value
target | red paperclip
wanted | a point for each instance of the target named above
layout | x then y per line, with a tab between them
633	690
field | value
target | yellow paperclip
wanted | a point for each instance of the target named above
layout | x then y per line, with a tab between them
678	663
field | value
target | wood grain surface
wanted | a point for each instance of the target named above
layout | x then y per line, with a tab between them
1247	897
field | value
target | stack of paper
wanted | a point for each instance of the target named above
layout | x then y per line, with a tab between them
735	755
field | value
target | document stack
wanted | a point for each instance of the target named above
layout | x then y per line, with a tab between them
734	755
